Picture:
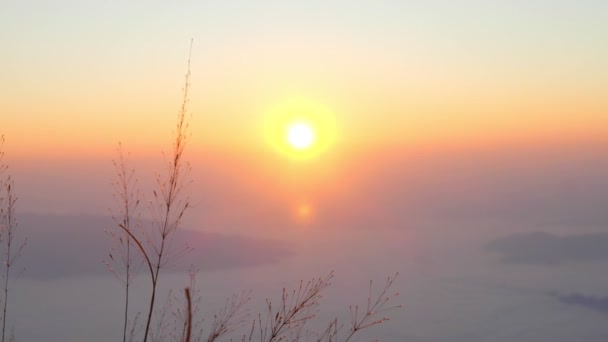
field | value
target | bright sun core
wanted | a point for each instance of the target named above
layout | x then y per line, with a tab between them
300	135
299	128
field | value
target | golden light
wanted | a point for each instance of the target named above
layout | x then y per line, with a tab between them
299	128
300	135
304	212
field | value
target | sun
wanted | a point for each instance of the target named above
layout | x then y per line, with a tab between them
300	135
304	213
299	128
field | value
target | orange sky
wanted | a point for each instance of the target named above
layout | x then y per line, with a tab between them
436	83
75	88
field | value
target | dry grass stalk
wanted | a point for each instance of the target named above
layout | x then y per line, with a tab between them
11	251
189	311
185	314
295	309
123	263
376	305
167	208
373	309
231	317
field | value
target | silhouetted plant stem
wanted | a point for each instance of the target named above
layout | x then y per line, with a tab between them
372	309
7	265
189	313
286	322
296	308
150	268
169	196
166	207
8	228
126	315
128	199
230	317
2	226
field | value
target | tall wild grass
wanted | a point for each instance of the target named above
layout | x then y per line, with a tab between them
151	245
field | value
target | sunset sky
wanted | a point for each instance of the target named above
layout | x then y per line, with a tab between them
80	76
461	143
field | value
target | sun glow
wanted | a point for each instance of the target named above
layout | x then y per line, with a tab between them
300	129
300	135
304	212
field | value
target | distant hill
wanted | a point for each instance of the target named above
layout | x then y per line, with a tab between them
76	245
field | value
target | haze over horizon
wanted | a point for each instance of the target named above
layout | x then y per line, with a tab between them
461	144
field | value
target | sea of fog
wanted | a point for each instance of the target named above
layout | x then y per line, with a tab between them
500	285
493	245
